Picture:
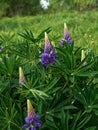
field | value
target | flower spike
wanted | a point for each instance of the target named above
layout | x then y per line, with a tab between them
49	55
83	57
21	77
32	120
47	42
65	28
67	37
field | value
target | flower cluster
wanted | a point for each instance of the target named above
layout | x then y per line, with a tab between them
49	55
67	37
32	120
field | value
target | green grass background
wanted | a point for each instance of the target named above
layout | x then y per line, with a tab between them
83	26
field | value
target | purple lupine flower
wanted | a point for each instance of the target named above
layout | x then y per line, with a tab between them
25	126
32	120
49	55
67	36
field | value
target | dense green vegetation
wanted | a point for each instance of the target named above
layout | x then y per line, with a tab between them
63	94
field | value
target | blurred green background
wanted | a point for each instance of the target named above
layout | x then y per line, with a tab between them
81	17
34	7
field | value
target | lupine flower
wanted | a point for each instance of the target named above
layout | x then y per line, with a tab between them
21	77
67	37
32	120
83	57
1	48
49	55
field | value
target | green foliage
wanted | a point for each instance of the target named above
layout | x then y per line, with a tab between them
65	95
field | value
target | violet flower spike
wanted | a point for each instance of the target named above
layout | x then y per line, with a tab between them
49	55
32	120
67	36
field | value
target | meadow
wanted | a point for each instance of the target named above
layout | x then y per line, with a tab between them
83	25
48	76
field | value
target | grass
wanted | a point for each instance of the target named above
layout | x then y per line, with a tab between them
82	26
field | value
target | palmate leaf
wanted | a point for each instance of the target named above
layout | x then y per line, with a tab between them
28	35
7	65
3	85
65	62
50	123
62	123
57	105
87	97
7	115
5	39
3	69
84	70
51	84
41	35
77	122
38	93
28	91
67	121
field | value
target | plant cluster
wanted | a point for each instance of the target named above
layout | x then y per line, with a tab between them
49	86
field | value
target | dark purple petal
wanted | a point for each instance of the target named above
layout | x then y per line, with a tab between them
48	49
52	59
37	117
62	42
48	58
24	126
70	40
45	59
39	124
28	120
32	128
67	35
